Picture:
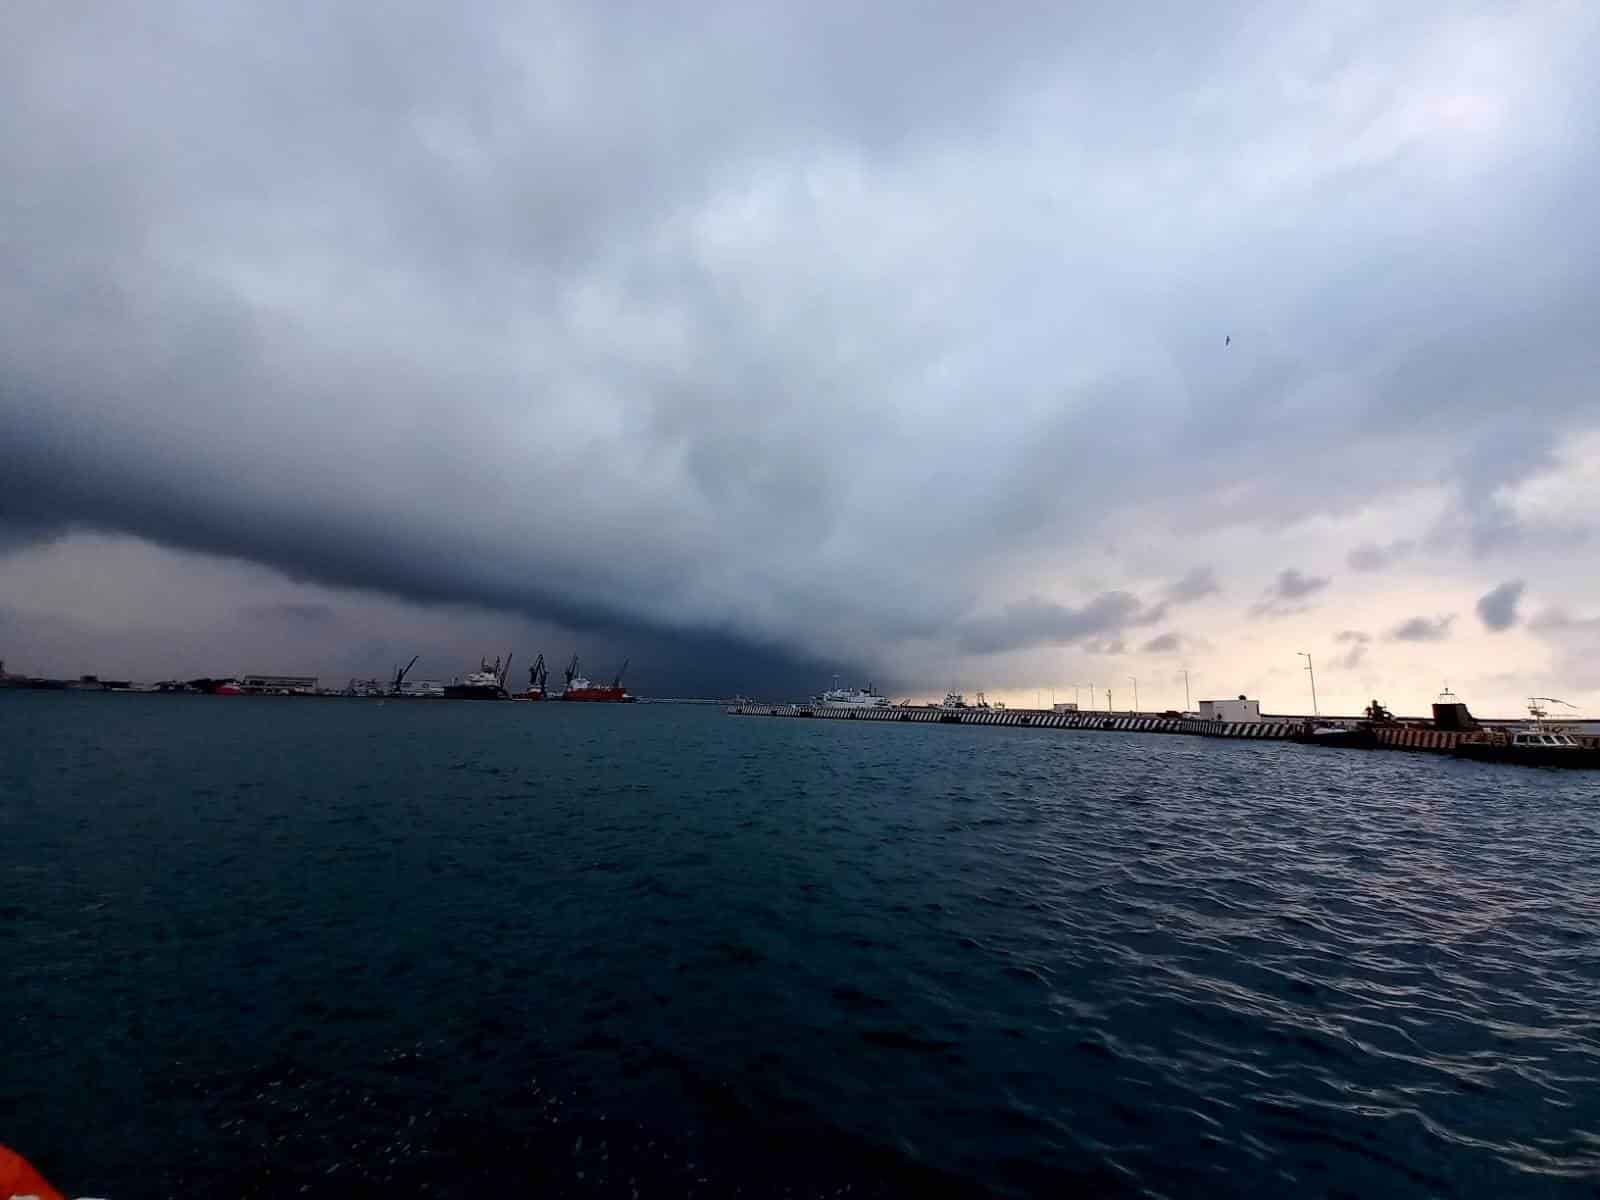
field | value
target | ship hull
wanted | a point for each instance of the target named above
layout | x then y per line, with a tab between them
1584	758
469	691
1344	739
596	695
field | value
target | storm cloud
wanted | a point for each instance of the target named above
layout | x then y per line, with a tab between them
1422	629
1497	608
1355	653
802	337
1288	591
1040	622
1196	584
1374	557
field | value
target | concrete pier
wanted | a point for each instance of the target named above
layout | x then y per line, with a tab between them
1415	737
1038	718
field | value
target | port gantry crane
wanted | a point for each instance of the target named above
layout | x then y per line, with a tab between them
400	674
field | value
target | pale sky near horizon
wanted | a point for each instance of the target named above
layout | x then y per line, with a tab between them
761	341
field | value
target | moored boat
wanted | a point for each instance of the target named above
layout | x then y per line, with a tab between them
1334	734
1535	743
585	690
838	697
486	683
537	675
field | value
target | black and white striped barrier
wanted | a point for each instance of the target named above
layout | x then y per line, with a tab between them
1396	737
1034	718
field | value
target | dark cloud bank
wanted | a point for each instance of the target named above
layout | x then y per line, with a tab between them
762	339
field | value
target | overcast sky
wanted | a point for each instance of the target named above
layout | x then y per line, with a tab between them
762	340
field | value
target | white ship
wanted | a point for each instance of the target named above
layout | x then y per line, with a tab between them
838	697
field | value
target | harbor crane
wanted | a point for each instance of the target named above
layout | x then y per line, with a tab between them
400	674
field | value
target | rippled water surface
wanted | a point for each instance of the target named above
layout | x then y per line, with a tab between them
278	947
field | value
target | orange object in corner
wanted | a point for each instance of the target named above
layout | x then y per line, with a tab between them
18	1178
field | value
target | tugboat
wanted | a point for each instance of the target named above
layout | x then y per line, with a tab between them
1534	744
486	683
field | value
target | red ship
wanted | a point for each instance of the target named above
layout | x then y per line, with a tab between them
579	688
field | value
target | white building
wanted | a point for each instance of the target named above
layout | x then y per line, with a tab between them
1065	706
1230	710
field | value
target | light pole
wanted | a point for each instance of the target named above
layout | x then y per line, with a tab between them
1186	689
1135	692
1091	695
1313	674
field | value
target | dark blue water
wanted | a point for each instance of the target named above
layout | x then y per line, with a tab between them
281	947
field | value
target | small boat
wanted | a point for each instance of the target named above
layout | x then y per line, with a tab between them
1332	734
1533	744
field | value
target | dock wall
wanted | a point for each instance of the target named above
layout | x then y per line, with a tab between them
1036	718
1390	737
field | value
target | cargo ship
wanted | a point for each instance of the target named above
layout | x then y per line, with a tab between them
486	683
581	689
536	680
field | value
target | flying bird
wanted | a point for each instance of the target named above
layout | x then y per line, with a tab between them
1228	341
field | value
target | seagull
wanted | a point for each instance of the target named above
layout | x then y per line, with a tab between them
1228	341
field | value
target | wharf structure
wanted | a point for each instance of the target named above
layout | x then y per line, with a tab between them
1404	734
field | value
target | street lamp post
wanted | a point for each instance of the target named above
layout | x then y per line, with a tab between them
1135	692
1186	689
1313	674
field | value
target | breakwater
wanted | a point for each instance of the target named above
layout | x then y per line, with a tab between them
1401	736
1038	718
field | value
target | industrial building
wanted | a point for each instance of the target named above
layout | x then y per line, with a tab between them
1240	710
